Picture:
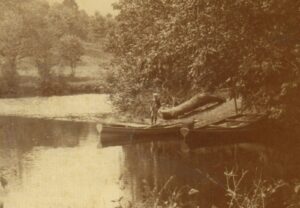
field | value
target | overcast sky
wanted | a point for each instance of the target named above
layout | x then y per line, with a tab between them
90	6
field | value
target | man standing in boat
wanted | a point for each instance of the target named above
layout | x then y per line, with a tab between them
155	106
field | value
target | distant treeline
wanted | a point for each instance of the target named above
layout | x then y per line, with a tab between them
182	47
47	36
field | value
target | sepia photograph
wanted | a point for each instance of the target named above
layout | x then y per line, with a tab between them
149	104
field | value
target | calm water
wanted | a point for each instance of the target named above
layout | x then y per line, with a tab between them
59	164
56	164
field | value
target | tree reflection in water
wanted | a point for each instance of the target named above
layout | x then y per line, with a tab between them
57	163
204	170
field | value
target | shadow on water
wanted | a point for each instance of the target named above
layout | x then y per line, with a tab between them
204	169
26	133
57	164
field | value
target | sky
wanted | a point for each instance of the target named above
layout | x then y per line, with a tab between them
90	6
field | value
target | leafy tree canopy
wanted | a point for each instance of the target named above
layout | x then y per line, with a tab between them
70	4
71	49
181	47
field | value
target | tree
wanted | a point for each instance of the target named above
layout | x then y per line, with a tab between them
69	21
190	46
42	42
70	4
98	24
34	29
71	49
12	44
101	26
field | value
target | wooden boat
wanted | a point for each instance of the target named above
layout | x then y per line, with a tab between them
232	130
126	134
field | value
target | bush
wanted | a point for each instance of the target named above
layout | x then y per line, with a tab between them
55	85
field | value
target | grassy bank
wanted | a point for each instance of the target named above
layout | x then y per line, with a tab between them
90	76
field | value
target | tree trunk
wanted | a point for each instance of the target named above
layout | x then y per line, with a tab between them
73	69
45	76
44	71
10	74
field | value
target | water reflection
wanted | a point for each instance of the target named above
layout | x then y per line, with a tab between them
204	169
57	164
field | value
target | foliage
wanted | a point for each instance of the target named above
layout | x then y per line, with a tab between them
241	189
183	47
70	4
128	93
42	43
70	50
67	19
257	196
49	35
165	197
11	45
54	85
259	193
101	26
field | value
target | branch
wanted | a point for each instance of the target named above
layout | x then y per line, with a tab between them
162	190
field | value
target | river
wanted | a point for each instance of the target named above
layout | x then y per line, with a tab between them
51	163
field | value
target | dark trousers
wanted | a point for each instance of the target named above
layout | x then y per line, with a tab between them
154	113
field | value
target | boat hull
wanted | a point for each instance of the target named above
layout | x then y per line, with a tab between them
253	130
232	130
115	136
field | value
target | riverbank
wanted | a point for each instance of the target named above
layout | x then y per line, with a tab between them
83	138
92	108
90	76
86	107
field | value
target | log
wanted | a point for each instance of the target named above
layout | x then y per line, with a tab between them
190	105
